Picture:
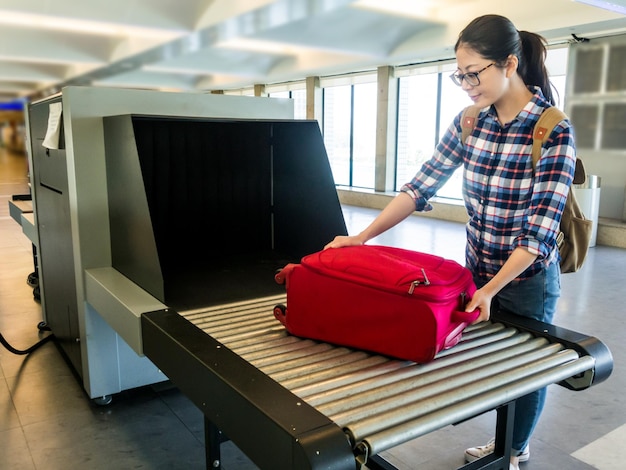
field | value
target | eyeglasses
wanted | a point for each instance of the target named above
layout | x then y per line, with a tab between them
471	77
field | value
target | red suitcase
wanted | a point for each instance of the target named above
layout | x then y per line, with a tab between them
387	300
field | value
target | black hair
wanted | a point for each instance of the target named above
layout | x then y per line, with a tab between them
496	38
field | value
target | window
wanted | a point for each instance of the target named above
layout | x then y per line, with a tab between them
453	100
350	132
364	135
428	101
417	129
337	131
299	101
426	97
427	105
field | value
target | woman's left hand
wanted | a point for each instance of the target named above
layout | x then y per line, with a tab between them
480	300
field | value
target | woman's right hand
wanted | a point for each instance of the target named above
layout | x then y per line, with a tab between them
397	210
343	240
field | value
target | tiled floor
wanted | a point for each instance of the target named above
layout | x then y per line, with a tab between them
47	421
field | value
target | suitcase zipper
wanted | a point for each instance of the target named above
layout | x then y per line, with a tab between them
414	284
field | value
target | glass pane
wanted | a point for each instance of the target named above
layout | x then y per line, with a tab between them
299	103
453	100
417	108
364	135
279	94
337	131
556	63
558	91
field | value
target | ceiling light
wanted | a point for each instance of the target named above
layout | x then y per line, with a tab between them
397	7
31	20
617	7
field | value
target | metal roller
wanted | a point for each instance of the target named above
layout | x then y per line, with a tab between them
392	396
467	359
306	366
237	334
389	371
486	335
359	368
489	399
280	342
273	350
403	408
253	322
242	330
230	314
281	359
320	354
234	307
472	332
219	317
247	339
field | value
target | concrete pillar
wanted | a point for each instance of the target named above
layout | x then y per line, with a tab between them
259	90
314	100
385	165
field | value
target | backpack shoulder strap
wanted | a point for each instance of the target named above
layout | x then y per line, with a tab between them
548	120
468	121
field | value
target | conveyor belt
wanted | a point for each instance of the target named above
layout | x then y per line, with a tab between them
381	402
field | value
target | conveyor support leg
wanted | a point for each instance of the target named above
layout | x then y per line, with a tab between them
212	439
501	456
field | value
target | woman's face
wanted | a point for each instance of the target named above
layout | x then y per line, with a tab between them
493	79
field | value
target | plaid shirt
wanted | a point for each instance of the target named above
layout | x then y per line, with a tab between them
509	204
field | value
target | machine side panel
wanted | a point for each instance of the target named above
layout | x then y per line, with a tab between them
133	247
55	253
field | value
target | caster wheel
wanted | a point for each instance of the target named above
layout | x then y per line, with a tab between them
37	294
32	280
104	400
280	311
43	326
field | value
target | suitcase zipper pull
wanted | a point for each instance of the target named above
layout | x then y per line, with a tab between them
414	284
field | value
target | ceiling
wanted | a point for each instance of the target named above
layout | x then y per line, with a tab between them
204	45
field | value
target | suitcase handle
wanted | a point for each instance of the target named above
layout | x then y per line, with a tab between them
465	317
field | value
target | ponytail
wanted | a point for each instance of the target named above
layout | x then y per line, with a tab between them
496	38
532	66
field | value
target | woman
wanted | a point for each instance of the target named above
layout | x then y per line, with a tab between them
514	210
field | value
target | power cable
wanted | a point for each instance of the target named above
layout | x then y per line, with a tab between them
25	351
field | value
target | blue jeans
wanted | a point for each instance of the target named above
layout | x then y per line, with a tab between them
535	298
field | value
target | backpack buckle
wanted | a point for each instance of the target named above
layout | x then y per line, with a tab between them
560	238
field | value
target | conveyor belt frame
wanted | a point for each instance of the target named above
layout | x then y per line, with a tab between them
299	435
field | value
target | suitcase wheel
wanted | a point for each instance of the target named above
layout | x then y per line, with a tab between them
278	278
280	312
